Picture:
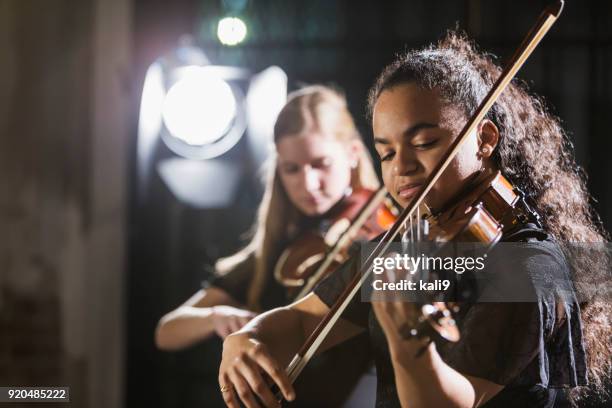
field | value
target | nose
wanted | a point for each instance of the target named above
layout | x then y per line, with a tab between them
311	179
406	162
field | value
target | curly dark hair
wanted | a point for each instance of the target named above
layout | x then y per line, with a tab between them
535	153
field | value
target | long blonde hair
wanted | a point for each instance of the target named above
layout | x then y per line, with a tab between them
312	108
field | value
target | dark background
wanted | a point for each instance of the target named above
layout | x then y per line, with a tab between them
87	269
346	43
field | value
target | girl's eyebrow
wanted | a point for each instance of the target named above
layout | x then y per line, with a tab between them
410	132
313	159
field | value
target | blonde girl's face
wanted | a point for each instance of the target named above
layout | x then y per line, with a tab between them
315	170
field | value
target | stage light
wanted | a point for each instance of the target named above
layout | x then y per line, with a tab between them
203	111
196	182
267	95
199	108
231	31
212	117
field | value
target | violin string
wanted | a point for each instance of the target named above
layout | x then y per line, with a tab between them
418	218
412	229
418	242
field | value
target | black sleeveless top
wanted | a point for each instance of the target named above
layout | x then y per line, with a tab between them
532	348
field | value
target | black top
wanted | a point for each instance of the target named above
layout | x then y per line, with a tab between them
238	281
532	348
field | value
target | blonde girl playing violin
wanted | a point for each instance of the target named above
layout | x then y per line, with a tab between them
509	354
320	159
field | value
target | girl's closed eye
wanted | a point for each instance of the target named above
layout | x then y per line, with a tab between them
425	144
387	155
322	163
289	168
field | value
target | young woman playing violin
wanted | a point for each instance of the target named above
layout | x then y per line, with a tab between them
509	354
320	160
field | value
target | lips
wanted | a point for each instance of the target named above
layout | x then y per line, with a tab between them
408	190
313	200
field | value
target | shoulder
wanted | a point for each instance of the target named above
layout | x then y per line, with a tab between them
240	262
233	275
533	250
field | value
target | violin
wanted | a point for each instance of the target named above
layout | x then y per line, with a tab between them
488	208
483	213
317	252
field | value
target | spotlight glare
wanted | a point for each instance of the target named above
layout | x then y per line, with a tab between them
231	30
199	108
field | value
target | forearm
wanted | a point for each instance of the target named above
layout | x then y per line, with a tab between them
427	381
268	343
184	326
281	330
284	330
422	378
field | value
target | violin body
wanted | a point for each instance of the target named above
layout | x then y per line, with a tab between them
479	215
493	207
301	260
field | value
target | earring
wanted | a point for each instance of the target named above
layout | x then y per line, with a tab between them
483	151
354	164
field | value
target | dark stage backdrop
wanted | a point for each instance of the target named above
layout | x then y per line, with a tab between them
345	43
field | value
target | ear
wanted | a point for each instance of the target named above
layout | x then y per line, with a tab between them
488	138
354	148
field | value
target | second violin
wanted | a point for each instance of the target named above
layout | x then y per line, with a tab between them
362	215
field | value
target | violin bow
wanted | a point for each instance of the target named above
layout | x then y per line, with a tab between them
531	41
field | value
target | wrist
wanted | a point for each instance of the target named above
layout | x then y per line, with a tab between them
204	320
242	335
413	350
